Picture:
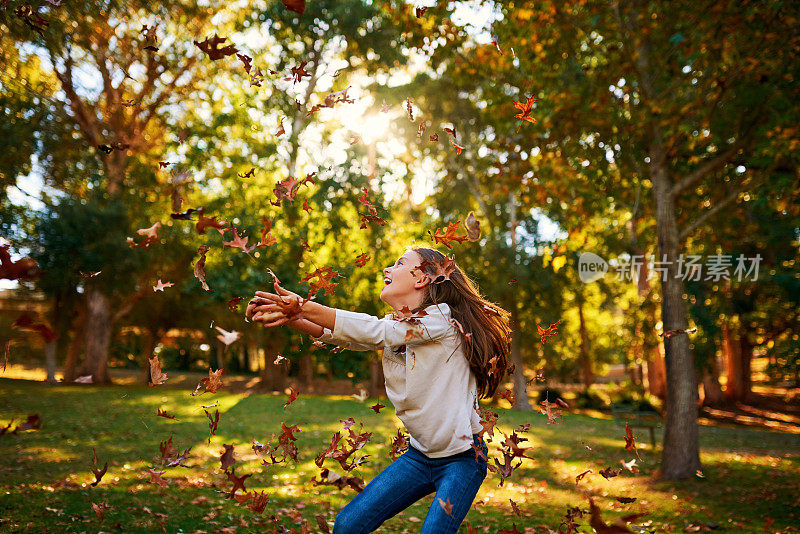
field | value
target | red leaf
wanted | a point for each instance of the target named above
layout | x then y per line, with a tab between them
298	6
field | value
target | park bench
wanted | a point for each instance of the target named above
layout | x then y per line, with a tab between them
625	414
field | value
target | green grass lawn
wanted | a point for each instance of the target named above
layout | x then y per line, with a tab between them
751	478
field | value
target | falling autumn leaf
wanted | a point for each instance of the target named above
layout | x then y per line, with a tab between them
203	223
525	109
362	259
22	269
298	6
292	396
448	235
550	331
238	242
98	473
156	376
212	383
473	226
630	443
160	286
199	266
211	47
228	337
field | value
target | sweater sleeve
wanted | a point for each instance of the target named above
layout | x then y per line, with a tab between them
328	337
355	329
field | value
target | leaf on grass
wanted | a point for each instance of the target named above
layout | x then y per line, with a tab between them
618	527
609	472
163	413
155	478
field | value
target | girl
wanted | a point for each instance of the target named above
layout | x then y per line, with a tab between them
435	361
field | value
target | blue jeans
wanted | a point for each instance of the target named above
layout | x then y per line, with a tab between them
409	478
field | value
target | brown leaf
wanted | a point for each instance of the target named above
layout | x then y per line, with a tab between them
473	227
227	460
630	444
203	223
156	376
211	47
155	478
199	266
292	396
238	242
98	473
213	422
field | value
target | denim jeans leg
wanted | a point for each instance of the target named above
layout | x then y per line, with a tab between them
401	484
458	480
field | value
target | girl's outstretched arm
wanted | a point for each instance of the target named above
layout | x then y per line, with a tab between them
315	312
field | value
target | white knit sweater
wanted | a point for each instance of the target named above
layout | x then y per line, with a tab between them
430	384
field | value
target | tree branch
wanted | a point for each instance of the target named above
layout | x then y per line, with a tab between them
129	304
710	213
89	125
728	199
712	164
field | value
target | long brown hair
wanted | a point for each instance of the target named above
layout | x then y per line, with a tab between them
487	322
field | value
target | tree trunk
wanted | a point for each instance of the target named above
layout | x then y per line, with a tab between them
377	386
98	336
738	355
521	401
587	376
657	373
77	342
220	354
148	346
273	377
50	361
712	391
681	452
307	371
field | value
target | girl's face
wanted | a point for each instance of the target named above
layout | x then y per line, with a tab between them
402	287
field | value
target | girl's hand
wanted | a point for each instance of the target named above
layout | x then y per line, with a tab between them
282	295
290	303
270	319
